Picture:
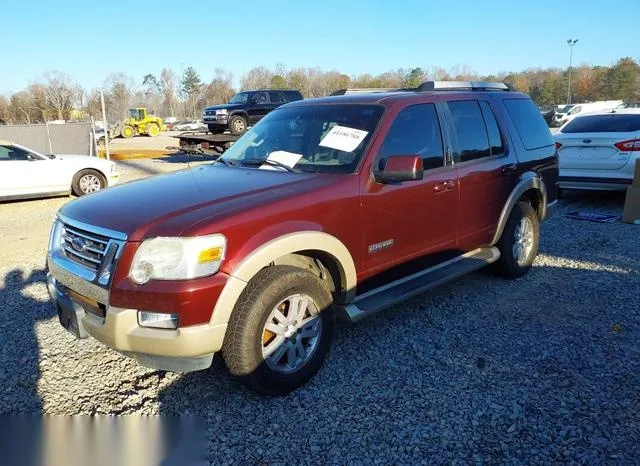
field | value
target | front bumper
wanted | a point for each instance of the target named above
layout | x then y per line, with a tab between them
221	120
83	309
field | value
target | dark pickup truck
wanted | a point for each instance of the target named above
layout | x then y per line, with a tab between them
246	109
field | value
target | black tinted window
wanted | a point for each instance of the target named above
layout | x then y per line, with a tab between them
291	96
530	125
416	131
611	123
275	97
13	153
259	98
495	139
471	132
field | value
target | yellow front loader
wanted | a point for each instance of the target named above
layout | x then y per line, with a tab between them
139	122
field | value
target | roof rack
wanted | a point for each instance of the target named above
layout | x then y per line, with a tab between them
428	86
366	90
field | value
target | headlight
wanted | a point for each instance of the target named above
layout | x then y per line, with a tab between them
177	258
223	111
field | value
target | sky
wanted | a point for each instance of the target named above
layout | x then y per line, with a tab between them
89	40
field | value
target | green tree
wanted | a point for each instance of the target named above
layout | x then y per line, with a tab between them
191	86
278	82
621	80
413	78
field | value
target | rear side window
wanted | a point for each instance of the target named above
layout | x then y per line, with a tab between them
530	125
292	96
471	133
611	123
416	131
275	97
495	138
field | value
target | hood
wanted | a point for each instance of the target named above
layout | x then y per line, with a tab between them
166	205
224	106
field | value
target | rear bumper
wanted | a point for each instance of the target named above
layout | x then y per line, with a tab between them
181	350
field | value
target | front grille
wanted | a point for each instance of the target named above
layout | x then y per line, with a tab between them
84	247
210	112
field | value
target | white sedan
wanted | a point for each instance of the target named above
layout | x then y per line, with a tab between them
598	150
25	173
195	125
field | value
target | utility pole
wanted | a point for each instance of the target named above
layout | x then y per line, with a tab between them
571	43
106	127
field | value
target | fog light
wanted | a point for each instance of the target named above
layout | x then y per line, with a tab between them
157	320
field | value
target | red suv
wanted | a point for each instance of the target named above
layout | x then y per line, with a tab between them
331	207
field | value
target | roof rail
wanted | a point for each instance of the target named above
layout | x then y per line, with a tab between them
463	85
365	90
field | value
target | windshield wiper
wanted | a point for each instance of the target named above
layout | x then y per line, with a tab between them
273	163
225	162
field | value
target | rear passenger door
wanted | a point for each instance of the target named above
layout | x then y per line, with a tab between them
406	220
487	169
275	99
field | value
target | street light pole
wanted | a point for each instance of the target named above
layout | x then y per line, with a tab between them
571	44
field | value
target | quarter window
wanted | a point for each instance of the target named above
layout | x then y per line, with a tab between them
471	133
531	127
416	131
495	138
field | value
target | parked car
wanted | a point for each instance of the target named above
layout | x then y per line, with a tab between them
562	117
190	125
629	105
339	206
599	150
246	109
25	173
548	112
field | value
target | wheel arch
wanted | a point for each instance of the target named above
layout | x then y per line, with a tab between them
328	256
530	188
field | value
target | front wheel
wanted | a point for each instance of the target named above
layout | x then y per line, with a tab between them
280	330
88	181
237	124
518	244
127	131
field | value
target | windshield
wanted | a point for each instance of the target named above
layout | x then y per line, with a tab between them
135	114
239	98
310	138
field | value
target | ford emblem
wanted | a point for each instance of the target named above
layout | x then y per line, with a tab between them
586	141
79	244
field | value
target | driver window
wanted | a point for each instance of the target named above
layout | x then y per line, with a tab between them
416	131
260	98
10	153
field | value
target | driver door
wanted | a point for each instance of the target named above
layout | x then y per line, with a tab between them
23	173
259	107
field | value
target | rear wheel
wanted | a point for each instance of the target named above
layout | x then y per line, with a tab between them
518	244
153	130
88	181
127	131
237	124
280	330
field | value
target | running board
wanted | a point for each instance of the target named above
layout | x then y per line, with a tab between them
397	291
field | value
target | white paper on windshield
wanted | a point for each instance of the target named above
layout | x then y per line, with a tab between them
286	158
343	138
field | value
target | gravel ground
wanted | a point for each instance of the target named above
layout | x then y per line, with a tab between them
541	369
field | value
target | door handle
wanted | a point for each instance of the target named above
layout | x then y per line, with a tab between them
444	186
510	168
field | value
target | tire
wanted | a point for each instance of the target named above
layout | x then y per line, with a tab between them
127	131
510	265
88	181
273	289
216	129
237	124
153	130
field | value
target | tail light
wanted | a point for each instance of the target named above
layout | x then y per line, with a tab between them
558	145
630	145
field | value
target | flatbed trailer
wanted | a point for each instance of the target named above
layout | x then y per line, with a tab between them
194	142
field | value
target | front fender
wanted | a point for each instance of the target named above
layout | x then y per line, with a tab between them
268	252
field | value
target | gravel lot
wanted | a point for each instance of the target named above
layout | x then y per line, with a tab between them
537	370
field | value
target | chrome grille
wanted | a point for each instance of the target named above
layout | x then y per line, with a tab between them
210	112
84	247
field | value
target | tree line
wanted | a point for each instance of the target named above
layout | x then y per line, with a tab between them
57	96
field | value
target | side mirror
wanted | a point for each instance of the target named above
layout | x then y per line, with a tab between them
400	168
